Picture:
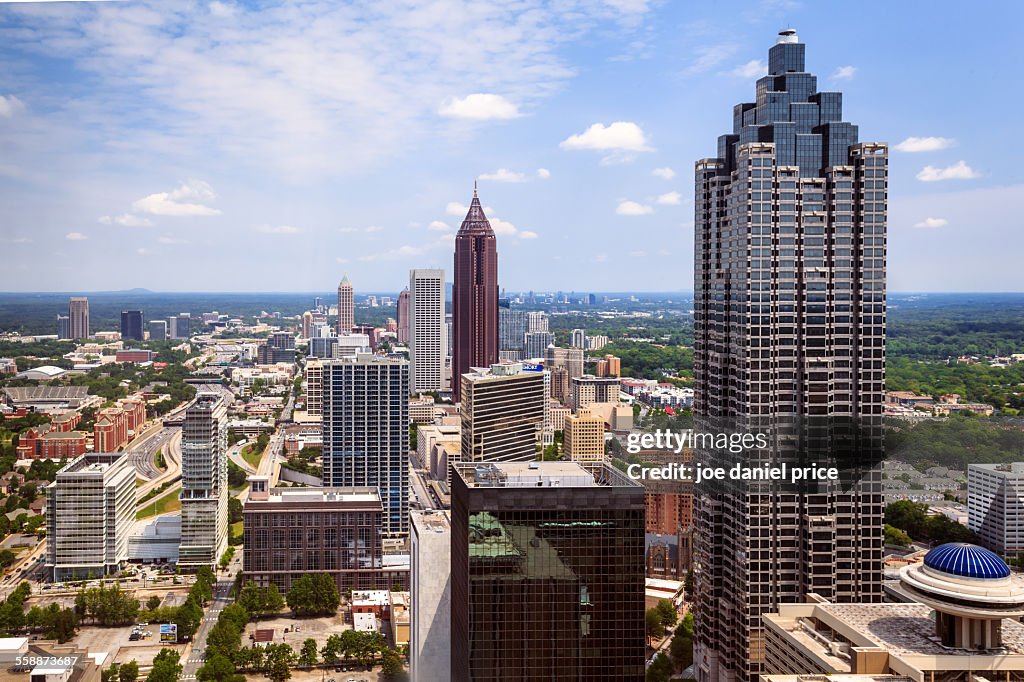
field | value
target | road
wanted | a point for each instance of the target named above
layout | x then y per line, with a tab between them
195	655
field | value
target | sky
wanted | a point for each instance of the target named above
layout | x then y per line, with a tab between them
212	145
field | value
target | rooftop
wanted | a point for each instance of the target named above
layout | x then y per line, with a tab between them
94	462
354	495
541	475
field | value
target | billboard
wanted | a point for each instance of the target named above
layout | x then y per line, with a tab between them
532	367
168	633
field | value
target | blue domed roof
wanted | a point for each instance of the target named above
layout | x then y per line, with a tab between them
967	561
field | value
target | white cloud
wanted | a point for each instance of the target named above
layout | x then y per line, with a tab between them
457	209
708	57
502	227
222	9
172	240
665	173
924	144
637	254
347	230
504	175
619	136
75	236
394	254
755	68
374	228
601	258
670	199
528	234
187	200
664	252
543	173
145	252
844	73
10	106
479	107
126	220
278	229
439	226
632	208
932	222
958	171
341	260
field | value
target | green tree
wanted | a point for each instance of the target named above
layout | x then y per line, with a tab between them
332	649
217	668
128	672
667	611
661	669
308	653
894	536
653	624
392	666
681	647
234	510
153	603
166	667
278	670
314	595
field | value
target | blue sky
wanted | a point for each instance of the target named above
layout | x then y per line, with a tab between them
276	146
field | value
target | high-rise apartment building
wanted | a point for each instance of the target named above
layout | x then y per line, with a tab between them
346	307
204	482
578	338
995	506
402	317
179	326
131	325
314	387
157	330
78	317
589	389
502	413
90	508
366	431
536	321
569	358
511	329
790	222
430	587
427	343
584	437
547	573
535	344
474	295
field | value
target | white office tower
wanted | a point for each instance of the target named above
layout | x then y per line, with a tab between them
90	508
427	331
204	482
430	636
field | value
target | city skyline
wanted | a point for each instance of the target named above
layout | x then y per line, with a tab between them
554	111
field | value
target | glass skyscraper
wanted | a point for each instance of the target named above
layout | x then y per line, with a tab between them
789	282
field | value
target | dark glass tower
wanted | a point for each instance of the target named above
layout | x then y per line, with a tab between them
547	573
789	287
131	324
474	295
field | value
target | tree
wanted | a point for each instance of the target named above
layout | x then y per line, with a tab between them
128	672
7	557
653	623
110	674
667	611
165	667
661	669
392	667
260	601
278	670
308	654
218	668
331	650
234	510
314	595
681	648
894	536
153	603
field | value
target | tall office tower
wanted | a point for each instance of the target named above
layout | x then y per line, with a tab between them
430	585
157	330
131	324
427	344
346	307
78	314
569	358
179	326
366	431
314	387
90	509
502	412
584	437
204	482
511	329
63	327
578	338
995	506
318	304
547	571
536	321
307	324
474	295
789	340
535	344
403	316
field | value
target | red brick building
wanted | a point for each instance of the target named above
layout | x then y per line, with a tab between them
46	443
133	355
114	424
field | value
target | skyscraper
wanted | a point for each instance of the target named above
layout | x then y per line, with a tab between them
427	343
547	573
403	316
366	431
63	327
204	482
535	344
789	319
502	413
179	326
474	295
157	330
578	338
131	324
78	316
346	307
511	328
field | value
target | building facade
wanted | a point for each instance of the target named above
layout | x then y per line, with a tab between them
78	317
204	483
589	389
366	431
427	343
511	330
547	573
402	318
157	330
430	580
502	414
535	344
584	437
90	509
789	280
131	325
995	506
346	307
569	358
474	296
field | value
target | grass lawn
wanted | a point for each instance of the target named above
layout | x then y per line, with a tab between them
251	456
236	529
167	503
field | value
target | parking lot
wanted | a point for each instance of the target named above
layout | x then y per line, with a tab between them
317	628
115	641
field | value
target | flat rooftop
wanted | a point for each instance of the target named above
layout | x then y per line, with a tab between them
433	520
541	475
96	462
354	495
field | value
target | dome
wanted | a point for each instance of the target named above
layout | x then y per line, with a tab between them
967	561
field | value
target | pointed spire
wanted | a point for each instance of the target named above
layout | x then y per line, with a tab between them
476	222
474	189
